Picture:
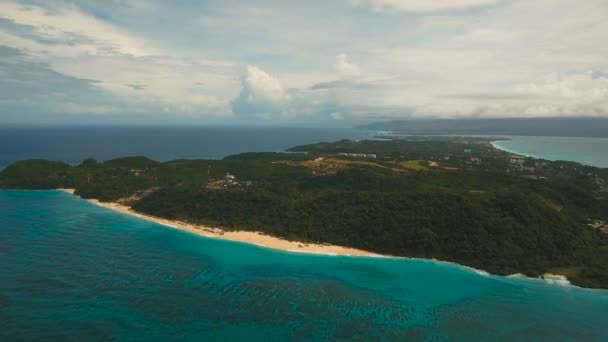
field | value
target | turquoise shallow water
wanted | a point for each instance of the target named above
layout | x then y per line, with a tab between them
590	151
75	271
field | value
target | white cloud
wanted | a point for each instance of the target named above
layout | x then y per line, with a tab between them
82	33
578	86
180	85
76	44
423	6
569	95
442	58
344	68
487	35
262	95
537	67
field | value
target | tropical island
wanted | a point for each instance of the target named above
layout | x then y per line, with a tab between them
454	199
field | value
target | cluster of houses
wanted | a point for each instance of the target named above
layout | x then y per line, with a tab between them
518	162
598	224
229	182
230	179
358	155
601	184
475	160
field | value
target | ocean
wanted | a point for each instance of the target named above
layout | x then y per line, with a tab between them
590	151
75	271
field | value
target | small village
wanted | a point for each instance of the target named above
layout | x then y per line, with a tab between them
228	182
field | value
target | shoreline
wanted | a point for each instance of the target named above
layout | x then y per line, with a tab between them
496	145
275	243
254	238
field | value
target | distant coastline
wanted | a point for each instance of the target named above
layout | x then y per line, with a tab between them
586	151
583	150
496	144
590	127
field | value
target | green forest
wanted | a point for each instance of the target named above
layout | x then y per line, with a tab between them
457	200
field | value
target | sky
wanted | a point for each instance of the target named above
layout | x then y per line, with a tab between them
206	61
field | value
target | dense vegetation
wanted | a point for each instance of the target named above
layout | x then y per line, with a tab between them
476	207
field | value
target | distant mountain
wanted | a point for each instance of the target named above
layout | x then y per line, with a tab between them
563	127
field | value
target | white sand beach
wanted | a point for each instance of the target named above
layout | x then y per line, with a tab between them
255	238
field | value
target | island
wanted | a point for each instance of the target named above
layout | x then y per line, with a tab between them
455	199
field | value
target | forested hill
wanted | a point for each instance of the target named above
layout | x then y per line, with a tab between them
459	200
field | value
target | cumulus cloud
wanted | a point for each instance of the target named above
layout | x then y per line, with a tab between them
344	68
261	95
423	6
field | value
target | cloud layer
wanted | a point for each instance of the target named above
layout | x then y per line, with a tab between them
277	60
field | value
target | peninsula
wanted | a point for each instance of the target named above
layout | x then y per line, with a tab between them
453	199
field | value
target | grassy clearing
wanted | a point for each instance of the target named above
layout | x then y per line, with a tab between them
413	165
329	166
551	204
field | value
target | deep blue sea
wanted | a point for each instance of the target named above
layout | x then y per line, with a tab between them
73	271
74	144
